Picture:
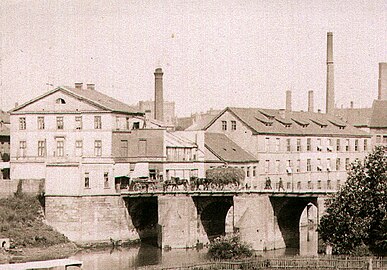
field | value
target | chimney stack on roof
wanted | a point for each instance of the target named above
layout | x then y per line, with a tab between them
288	107
310	101
330	90
382	81
78	85
159	100
90	86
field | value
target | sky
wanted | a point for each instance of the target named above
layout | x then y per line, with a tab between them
214	54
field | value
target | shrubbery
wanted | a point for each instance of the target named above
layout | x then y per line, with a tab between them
21	220
229	247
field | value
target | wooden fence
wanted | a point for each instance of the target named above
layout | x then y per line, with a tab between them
299	263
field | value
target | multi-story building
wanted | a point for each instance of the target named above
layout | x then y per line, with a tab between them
66	136
305	150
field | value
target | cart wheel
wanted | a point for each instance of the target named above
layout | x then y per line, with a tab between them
137	187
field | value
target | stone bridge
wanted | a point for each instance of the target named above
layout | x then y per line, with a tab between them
265	219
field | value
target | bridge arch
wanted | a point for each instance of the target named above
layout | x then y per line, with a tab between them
288	212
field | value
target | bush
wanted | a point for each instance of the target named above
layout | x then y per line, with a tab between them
229	247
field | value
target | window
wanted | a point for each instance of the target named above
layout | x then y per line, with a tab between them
298	145
356	145
124	148
347	145
365	145
308	144
127	123
277	166
233	125
98	148
248	172
319	147
338	164
22	123
347	163
60	148
60	101
136	125
319	167
330	147
97	122
267	166
59	122
329	164
254	171
318	184
329	184
78	122
267	144
118	122
288	145
338	148
378	138
106	180
308	165
23	148
78	148
224	125
87	180
310	185
338	184
41	148
40	122
277	144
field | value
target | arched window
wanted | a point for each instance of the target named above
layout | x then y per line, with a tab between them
60	101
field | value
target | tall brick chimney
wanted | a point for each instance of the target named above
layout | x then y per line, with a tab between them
159	100
288	107
330	97
382	81
310	101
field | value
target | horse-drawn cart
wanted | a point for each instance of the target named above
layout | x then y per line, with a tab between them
142	184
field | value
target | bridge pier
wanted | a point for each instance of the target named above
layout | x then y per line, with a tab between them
255	220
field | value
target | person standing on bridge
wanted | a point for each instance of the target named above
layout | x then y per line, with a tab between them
281	185
268	183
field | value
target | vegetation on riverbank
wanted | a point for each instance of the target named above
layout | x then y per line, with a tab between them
229	247
356	217
22	220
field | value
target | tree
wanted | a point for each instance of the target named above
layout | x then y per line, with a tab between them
229	247
225	175
356	216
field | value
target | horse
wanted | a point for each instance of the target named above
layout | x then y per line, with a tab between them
196	182
175	182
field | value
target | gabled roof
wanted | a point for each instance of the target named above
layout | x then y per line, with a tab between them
379	114
93	97
225	149
303	123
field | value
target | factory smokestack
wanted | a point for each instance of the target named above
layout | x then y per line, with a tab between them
288	107
330	98
382	81
310	101
159	100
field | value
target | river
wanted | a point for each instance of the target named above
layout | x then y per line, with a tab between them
144	255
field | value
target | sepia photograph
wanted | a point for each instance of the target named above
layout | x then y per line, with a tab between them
193	134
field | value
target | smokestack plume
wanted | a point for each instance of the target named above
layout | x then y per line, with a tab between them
310	101
288	107
382	81
159	100
330	97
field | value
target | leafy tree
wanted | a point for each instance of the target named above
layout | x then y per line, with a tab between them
225	175
356	216
229	247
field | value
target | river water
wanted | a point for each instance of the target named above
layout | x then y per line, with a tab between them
145	255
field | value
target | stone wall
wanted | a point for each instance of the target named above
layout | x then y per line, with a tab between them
29	186
88	219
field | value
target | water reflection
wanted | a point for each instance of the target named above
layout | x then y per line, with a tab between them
143	255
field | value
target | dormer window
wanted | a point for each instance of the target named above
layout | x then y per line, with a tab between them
60	101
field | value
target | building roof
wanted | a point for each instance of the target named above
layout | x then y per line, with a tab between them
358	117
174	140
91	96
281	122
4	117
225	149
379	114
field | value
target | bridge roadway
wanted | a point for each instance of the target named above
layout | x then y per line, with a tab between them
271	193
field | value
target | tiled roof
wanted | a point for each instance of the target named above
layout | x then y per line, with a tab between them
358	117
281	122
173	140
379	114
201	122
91	96
225	149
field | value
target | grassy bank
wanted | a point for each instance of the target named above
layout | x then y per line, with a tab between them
22	220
